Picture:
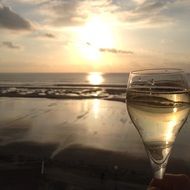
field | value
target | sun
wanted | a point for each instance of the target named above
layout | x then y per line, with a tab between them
98	32
95	34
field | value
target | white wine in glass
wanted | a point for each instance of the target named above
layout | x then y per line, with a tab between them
158	105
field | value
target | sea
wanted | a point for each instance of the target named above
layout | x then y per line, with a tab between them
64	85
110	86
58	79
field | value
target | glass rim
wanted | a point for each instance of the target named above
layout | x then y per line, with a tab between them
161	71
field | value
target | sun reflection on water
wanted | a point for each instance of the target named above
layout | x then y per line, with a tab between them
95	78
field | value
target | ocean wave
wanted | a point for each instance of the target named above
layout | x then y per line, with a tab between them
108	92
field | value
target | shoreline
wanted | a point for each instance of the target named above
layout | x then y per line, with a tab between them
114	94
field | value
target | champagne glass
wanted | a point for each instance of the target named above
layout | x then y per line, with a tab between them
158	105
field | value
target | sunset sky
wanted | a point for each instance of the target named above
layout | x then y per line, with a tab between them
93	35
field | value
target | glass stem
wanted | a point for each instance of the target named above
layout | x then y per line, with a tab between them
159	166
159	170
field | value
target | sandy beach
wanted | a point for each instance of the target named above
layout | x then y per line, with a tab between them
91	137
67	69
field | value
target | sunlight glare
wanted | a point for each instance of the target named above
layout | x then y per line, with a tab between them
170	130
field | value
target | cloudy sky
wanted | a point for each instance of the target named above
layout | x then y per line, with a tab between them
93	35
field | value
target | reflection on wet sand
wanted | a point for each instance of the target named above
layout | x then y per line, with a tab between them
89	122
98	123
80	133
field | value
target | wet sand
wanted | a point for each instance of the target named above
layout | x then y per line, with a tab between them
99	123
88	137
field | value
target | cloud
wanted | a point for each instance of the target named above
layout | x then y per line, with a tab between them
153	5
42	34
10	45
11	20
149	12
49	35
74	12
144	12
113	50
68	13
25	2
138	13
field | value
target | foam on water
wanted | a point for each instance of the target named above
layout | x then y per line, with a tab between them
110	86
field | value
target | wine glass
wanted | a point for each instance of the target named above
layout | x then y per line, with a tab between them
158	105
